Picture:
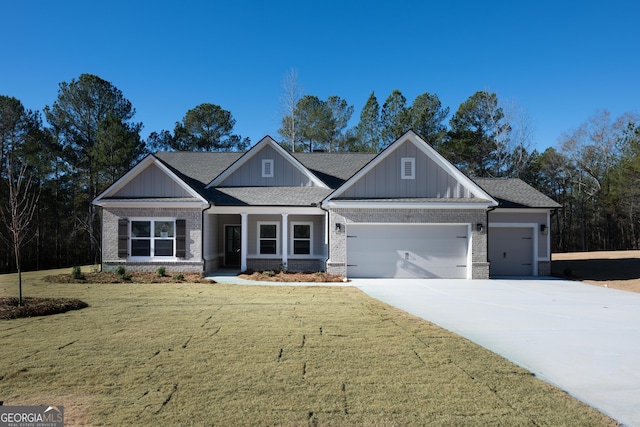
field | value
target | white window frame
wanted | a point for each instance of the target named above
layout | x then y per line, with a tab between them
267	168
293	238
260	239
152	239
411	163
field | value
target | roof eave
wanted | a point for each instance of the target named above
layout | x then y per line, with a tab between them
106	203
407	205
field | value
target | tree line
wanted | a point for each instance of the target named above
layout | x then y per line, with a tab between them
90	139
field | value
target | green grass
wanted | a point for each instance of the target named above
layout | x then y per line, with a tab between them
206	354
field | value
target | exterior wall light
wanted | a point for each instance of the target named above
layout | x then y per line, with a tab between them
480	227
544	229
338	227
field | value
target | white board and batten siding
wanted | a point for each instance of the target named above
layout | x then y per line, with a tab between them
408	250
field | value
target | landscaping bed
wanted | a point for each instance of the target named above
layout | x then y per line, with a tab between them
271	276
31	307
129	277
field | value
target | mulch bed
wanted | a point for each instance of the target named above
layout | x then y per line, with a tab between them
291	277
31	307
131	277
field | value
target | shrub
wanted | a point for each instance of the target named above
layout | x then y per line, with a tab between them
269	273
121	271
178	276
76	273
161	271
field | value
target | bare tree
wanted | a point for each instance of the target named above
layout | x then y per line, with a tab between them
291	94
19	210
516	144
594	150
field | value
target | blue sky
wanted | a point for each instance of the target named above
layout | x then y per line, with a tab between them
559	61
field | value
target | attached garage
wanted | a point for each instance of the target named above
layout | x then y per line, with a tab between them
408	250
511	251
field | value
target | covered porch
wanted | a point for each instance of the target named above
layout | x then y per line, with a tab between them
288	238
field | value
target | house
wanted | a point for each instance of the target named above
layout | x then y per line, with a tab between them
404	212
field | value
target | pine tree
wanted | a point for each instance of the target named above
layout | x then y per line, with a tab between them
368	129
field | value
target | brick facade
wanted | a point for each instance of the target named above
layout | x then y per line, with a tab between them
193	262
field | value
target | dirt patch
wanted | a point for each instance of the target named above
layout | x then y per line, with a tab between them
292	277
131	277
611	269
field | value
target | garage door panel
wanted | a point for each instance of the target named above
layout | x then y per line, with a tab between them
511	251
407	251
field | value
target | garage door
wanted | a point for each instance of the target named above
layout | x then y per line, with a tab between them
511	251
407	250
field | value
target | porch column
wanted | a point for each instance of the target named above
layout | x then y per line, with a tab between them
244	241
285	240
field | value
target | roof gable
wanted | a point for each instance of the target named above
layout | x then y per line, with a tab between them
149	179
266	164
410	169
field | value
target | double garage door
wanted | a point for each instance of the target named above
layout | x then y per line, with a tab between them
408	250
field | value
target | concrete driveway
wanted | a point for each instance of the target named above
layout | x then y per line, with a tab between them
582	338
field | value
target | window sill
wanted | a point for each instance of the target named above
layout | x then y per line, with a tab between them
153	259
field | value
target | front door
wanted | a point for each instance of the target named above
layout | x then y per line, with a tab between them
232	239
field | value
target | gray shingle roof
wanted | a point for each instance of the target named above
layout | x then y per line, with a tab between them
268	196
331	168
199	169
334	168
515	193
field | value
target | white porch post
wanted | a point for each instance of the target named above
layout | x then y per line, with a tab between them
244	241
285	240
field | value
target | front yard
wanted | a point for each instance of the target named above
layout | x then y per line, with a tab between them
208	354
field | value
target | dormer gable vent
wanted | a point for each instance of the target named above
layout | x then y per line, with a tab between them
267	168
408	168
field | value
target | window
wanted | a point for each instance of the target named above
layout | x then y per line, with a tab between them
302	232
267	168
408	168
153	238
268	238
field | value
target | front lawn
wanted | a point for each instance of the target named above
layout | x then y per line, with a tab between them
210	354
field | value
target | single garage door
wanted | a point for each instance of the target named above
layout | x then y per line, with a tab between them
407	250
511	251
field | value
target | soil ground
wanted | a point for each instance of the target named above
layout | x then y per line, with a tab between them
611	269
